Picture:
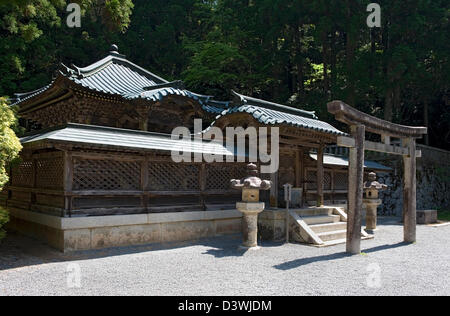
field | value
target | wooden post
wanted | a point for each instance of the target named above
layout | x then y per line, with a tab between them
202	182
297	169
143	120
409	192
332	173
287	198
68	181
320	176
303	176
144	182
355	190
274	190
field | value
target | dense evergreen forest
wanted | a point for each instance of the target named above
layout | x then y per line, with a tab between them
303	52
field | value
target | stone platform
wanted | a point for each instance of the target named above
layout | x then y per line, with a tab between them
85	233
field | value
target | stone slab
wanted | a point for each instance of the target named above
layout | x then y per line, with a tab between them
427	217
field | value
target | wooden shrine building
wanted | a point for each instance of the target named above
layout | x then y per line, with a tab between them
96	168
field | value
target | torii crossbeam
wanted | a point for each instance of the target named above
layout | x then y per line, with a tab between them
359	123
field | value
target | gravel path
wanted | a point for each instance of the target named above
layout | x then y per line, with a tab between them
216	267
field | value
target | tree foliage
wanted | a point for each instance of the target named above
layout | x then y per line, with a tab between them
306	52
9	143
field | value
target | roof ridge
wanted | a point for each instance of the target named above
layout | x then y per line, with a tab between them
117	129
274	106
114	58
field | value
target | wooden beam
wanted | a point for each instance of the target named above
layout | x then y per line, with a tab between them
355	190
350	116
298	168
298	142
274	190
320	176
383	148
409	193
344	141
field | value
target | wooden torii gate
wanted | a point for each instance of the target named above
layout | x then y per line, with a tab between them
359	123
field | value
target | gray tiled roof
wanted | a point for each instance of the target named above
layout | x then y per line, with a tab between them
269	113
20	97
121	138
343	161
118	76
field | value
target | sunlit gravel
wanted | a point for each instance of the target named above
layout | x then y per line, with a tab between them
216	267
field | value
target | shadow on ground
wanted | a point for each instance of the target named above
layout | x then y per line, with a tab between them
336	256
20	251
232	250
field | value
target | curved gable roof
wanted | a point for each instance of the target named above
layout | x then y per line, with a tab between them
269	113
115	75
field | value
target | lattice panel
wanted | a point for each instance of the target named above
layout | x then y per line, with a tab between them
287	161
106	175
50	173
173	177
340	181
311	178
22	174
327	181
218	177
286	175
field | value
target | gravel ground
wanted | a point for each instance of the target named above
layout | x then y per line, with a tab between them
216	267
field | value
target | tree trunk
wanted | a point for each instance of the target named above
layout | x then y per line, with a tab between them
333	61
426	122
388	106
350	56
300	76
326	81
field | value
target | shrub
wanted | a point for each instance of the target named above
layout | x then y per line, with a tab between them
4	218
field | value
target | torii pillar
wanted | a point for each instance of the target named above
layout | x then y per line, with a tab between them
409	192
355	189
360	122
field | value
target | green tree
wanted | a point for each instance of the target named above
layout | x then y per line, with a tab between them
303	52
34	37
9	149
9	143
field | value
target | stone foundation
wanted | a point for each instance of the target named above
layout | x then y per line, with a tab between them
272	225
427	217
85	233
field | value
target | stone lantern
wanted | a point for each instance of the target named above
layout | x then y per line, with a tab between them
250	205
372	201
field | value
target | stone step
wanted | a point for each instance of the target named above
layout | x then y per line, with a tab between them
333	243
333	235
323	228
314	212
321	219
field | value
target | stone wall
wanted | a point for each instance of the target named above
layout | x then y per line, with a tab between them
433	180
